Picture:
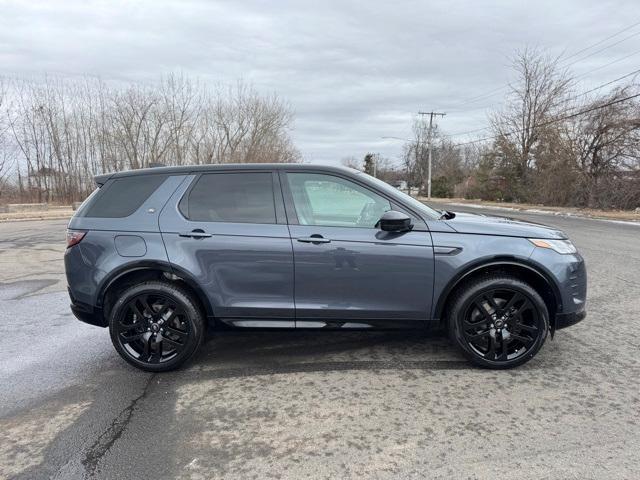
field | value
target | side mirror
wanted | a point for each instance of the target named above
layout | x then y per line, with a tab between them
394	221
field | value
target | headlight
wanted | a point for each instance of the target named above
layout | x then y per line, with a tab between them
564	247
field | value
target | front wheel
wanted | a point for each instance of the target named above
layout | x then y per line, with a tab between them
498	321
156	326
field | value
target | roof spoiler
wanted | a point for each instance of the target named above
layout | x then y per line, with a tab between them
102	179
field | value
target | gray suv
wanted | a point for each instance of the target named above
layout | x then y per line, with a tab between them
162	255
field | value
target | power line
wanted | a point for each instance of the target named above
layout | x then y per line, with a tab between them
602	41
635	72
566	117
601	50
588	72
495	91
608	64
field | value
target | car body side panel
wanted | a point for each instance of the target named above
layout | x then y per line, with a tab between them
246	270
362	274
90	264
457	252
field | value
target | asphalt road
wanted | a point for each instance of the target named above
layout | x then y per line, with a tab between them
308	405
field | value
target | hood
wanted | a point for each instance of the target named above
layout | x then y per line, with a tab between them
489	225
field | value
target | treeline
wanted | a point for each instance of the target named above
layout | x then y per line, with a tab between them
549	144
57	133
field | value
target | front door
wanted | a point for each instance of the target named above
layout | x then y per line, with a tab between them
227	230
348	273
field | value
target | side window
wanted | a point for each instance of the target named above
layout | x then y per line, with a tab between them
333	201
231	197
121	197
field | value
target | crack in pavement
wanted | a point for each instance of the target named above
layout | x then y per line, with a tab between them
32	287
107	438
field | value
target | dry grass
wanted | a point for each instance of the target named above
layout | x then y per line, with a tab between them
51	214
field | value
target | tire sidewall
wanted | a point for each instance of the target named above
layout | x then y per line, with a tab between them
468	295
195	319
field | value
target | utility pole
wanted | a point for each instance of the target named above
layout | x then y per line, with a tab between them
430	140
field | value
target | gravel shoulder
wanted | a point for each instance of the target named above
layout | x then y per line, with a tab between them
526	208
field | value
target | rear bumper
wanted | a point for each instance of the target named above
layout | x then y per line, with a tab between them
86	313
564	320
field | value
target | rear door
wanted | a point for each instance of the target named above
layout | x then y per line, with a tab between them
227	230
347	272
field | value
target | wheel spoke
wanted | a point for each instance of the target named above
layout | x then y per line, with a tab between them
156	356
163	309
491	352
127	327
144	300
490	299
527	328
171	317
522	338
139	313
146	351
477	335
504	349
479	304
173	342
478	323
131	338
174	331
526	305
517	297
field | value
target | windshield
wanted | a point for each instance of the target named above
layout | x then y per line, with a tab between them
407	199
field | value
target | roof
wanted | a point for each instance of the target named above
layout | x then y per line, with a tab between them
188	169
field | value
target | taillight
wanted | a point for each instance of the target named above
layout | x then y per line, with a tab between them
74	237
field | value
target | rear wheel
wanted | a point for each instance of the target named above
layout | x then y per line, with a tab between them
156	326
498	321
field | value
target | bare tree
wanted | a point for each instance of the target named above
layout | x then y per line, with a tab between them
351	162
415	155
6	151
537	96
606	142
65	131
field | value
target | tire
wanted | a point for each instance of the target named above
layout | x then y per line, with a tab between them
156	326
498	321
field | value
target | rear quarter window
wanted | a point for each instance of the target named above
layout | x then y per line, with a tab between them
123	196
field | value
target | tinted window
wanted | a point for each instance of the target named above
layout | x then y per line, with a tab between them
231	197
123	196
333	201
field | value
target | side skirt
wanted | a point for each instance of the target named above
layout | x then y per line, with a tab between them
328	324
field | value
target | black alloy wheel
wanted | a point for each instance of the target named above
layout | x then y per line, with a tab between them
500	322
156	326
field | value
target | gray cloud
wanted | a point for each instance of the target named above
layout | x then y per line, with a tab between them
353	71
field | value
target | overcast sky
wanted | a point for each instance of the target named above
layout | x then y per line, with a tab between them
353	71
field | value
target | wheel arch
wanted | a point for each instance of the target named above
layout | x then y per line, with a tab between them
137	272
534	274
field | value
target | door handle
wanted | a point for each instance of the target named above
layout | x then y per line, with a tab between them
197	233
317	239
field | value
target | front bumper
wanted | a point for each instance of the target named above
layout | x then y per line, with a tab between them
564	320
